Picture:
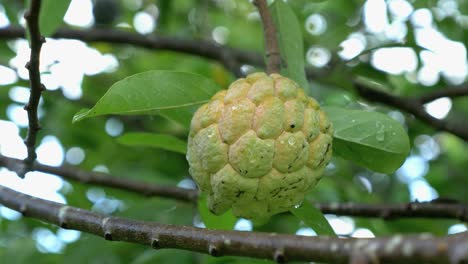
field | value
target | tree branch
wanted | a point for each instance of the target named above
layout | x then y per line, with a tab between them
36	40
106	180
415	106
393	211
272	50
447	92
229	57
386	211
422	248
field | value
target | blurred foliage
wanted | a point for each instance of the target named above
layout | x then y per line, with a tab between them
199	19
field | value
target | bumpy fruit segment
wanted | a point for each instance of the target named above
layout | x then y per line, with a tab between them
258	146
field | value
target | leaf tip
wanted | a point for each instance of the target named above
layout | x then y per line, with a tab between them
82	114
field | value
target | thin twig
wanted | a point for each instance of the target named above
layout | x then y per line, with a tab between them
36	40
272	50
402	210
423	248
451	92
231	58
103	179
385	211
415	106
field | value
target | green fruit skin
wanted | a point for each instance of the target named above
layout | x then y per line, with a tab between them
258	146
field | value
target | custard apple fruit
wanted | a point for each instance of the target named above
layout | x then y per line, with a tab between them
258	146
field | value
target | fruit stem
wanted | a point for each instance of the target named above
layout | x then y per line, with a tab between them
272	52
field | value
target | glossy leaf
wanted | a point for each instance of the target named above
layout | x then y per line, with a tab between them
290	42
51	15
162	141
370	139
175	95
211	221
313	218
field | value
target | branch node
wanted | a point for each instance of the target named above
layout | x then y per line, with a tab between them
28	65
459	253
213	250
108	236
272	53
462	214
107	231
27	15
442	247
412	206
23	209
62	215
155	243
279	256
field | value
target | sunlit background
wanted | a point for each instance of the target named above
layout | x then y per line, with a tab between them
385	22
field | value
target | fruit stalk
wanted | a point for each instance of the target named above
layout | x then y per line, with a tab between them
272	51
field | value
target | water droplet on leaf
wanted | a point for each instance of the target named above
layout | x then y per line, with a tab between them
380	134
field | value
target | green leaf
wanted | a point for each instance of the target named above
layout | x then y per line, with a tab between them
221	222
161	141
175	95
313	218
51	15
370	139
290	42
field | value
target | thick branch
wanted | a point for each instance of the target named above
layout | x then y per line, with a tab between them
36	40
281	247
272	50
386	211
415	107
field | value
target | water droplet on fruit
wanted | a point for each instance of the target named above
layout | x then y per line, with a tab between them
353	121
292	141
